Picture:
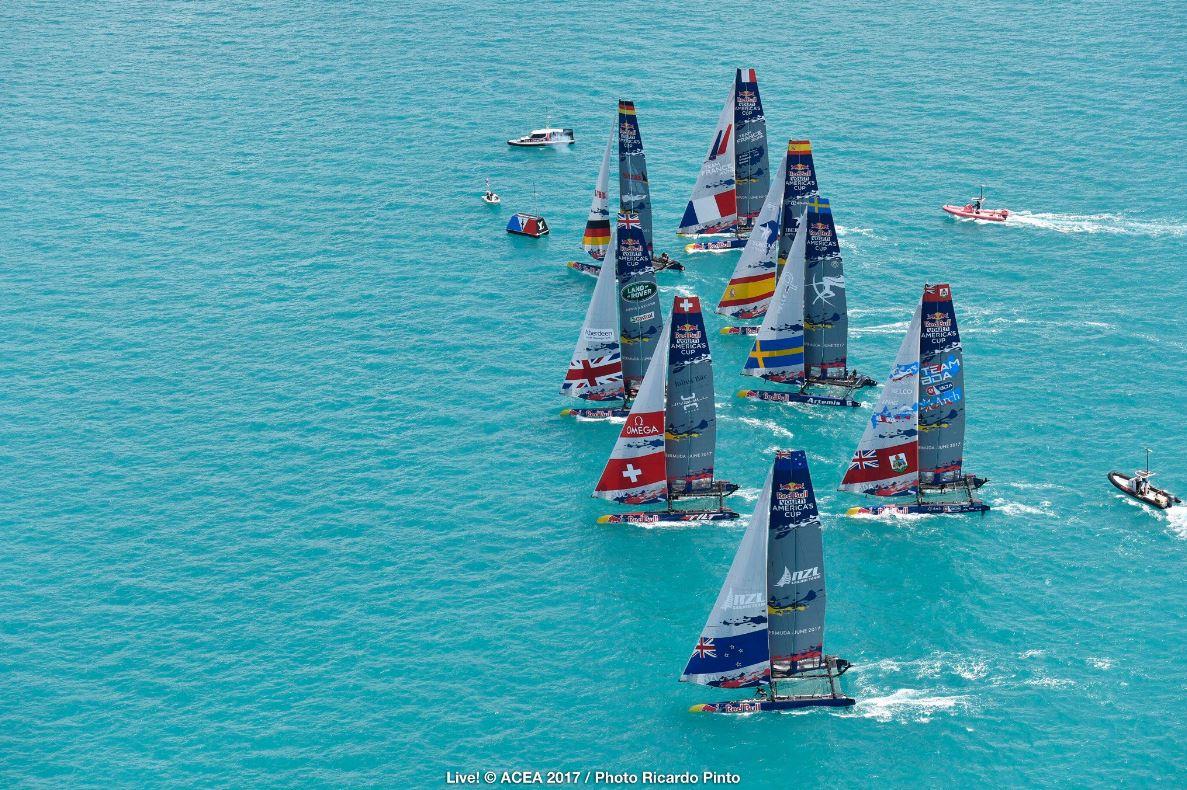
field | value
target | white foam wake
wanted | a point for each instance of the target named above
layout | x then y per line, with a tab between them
1097	223
909	704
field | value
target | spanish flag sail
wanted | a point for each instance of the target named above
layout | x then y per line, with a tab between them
597	227
753	282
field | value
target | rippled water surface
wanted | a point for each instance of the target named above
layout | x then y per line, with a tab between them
287	499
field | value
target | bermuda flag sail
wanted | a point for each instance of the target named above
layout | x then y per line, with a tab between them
636	473
800	187
750	288
778	352
634	192
595	371
597	227
795	569
691	427
826	311
751	159
732	651
713	206
886	462
941	389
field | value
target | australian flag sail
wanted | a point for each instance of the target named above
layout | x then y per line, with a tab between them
691	429
732	651
826	312
941	389
639	316
886	462
597	226
595	369
751	160
636	473
713	207
795	570
778	351
799	187
634	193
753	282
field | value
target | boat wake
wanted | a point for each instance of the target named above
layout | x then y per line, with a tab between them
1020	509
909	705
769	425
896	328
1097	223
1176	519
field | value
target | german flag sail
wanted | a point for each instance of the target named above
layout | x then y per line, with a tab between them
597	227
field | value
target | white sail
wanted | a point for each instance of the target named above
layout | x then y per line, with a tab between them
597	226
637	471
595	369
778	352
749	290
733	651
887	459
713	207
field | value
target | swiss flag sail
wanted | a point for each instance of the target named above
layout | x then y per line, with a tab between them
636	473
886	462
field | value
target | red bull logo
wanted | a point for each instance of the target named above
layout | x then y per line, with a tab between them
626	130
747	97
631	246
687	327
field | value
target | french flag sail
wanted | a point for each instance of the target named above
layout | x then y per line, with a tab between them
799	188
595	370
941	389
886	462
733	651
778	351
634	191
751	159
795	570
826	312
713	206
691	422
636	473
750	288
597	227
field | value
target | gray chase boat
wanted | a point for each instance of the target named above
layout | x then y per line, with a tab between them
1138	486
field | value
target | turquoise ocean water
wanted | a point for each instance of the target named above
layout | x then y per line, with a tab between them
286	498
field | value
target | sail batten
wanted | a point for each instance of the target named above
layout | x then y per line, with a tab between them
597	226
749	290
595	369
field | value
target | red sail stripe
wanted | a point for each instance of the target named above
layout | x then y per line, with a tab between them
727	202
883	471
622	474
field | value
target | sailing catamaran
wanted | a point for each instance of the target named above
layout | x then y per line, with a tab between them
804	338
768	623
734	177
914	441
666	449
634	194
616	343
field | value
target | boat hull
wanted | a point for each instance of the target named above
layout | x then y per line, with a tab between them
721	245
1157	497
593	271
748	331
796	397
986	215
612	414
924	508
669	517
766	705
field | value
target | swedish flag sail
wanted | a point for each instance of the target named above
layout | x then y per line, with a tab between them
778	351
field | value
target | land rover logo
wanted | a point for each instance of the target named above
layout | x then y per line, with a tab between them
637	292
